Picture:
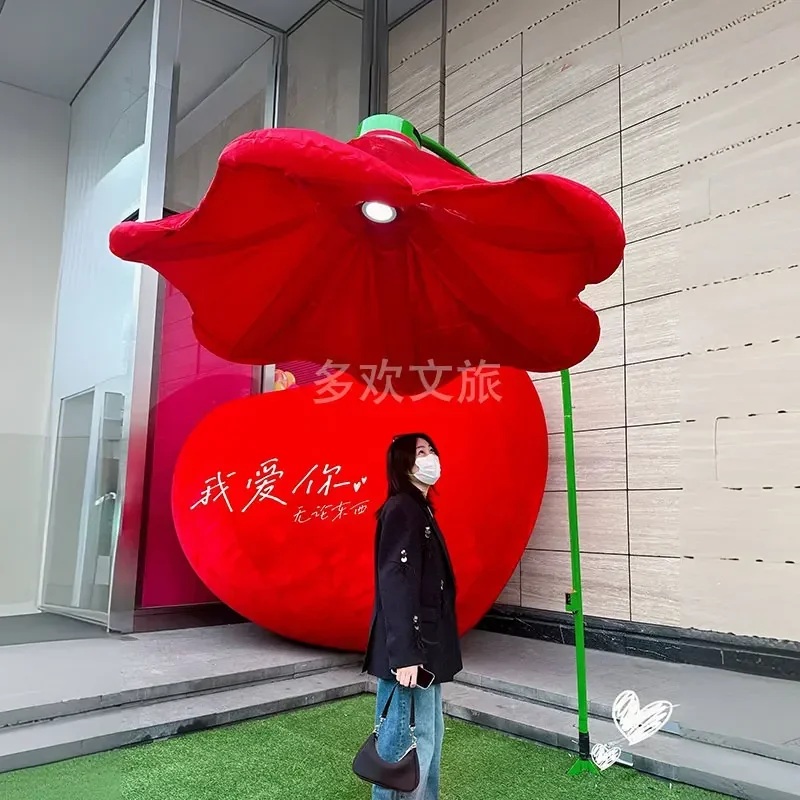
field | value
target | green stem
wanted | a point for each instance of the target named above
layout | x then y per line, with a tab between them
395	124
575	598
443	152
388	122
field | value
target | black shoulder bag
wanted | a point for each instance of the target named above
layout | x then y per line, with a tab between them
399	776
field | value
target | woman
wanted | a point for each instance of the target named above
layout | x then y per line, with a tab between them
414	621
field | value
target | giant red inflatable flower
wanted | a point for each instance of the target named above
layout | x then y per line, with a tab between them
281	262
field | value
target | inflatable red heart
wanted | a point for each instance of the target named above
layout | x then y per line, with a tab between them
274	498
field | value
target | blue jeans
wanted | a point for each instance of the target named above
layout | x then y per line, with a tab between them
395	737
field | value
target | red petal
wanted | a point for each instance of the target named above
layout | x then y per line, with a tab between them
279	263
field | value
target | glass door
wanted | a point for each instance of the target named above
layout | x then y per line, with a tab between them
84	509
93	568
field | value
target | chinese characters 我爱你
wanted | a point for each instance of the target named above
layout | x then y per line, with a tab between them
263	485
328	472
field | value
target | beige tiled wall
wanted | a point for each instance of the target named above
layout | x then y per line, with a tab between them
416	88
324	73
688	412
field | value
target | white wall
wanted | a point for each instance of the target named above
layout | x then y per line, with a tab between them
34	137
97	296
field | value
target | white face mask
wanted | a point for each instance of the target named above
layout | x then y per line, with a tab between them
428	469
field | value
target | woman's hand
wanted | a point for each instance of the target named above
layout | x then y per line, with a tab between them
407	676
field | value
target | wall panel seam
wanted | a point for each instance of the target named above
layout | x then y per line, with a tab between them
571	100
418	94
624	338
443	100
405	59
482	98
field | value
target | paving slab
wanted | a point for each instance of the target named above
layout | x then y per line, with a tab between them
52	679
666	756
26	746
744	712
44	627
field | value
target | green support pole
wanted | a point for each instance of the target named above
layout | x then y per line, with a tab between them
441	151
389	122
575	597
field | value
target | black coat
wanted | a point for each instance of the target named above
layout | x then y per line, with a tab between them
414	620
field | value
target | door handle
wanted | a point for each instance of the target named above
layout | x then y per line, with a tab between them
106	496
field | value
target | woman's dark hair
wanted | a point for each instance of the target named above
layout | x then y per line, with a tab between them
400	459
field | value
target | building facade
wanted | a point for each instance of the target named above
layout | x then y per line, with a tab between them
687	412
107	115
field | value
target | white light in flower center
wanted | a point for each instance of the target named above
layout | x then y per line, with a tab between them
378	212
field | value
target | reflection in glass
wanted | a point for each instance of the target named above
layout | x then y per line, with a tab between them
226	86
226	80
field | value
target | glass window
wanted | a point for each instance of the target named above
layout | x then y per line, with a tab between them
226	89
96	323
226	81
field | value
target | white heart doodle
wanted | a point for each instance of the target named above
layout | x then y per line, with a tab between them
605	756
636	723
357	486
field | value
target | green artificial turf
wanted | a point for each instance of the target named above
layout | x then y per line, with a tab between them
307	755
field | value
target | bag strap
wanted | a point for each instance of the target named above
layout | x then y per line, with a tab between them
385	714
